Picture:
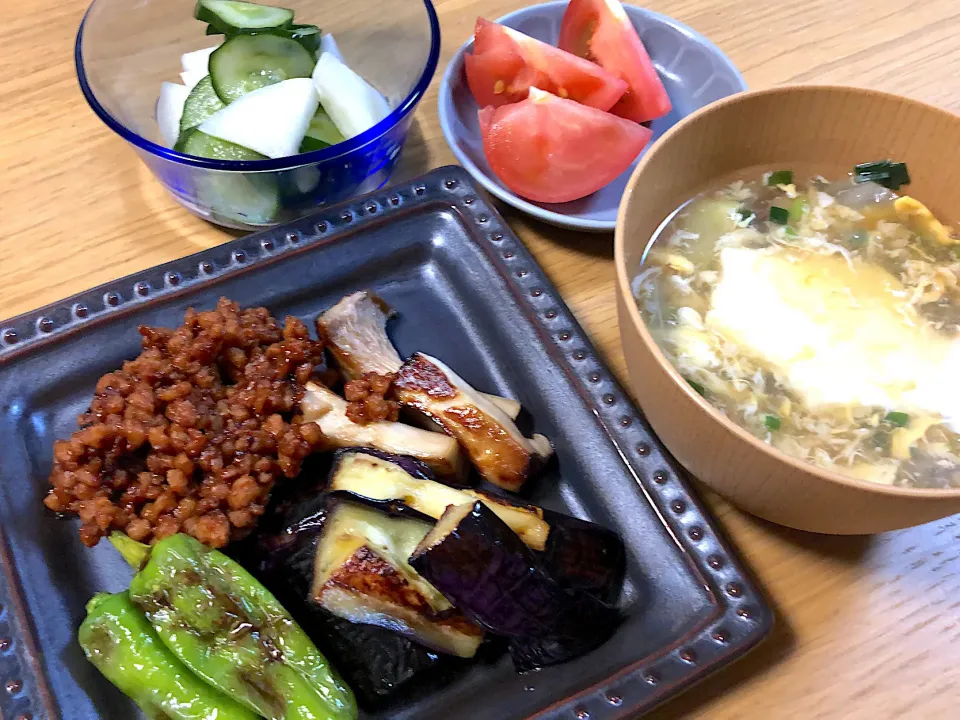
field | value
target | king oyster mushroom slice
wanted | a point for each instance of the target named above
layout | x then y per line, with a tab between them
489	436
328	410
355	330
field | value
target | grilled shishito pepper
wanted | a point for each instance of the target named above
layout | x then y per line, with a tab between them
117	638
226	627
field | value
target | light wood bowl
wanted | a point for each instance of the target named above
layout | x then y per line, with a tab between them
827	127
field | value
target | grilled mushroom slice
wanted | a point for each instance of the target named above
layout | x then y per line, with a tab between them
355	330
362	574
328	410
390	478
498	450
483	568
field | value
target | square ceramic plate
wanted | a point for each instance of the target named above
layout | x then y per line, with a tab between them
468	292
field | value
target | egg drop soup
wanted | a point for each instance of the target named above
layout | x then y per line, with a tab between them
822	316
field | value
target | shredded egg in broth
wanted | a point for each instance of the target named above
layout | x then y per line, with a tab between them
823	317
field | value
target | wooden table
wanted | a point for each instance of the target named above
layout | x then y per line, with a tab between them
868	627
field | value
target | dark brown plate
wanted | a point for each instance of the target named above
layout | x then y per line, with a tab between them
468	292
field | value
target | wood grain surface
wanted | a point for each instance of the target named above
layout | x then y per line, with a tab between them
867	627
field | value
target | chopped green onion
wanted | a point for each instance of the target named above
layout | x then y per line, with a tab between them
772	422
900	419
883	172
743	215
797	208
899	176
698	387
860	237
789	231
779	215
780	177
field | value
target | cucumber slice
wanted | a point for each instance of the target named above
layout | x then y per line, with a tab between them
321	133
229	16
271	120
195	142
202	102
248	62
248	198
238	197
308	36
170	104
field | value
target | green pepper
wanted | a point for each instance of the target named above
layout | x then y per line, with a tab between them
226	627
117	638
135	553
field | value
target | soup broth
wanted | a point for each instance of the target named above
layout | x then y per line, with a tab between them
823	316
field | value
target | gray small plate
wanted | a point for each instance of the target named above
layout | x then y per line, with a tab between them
693	69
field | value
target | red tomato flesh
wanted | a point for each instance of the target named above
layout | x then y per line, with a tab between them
599	30
505	64
553	150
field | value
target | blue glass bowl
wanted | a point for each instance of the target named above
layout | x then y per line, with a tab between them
694	71
125	49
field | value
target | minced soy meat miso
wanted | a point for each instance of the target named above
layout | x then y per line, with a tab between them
823	317
191	435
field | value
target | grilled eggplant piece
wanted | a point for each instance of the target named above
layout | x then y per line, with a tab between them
378	664
535	653
582	555
355	330
329	411
484	569
496	447
362	575
379	476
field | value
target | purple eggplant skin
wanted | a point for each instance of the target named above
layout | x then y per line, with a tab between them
488	573
533	654
582	555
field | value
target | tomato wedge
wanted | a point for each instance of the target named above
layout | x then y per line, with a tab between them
600	30
553	150
505	64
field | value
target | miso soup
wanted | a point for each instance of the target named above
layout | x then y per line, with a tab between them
823	316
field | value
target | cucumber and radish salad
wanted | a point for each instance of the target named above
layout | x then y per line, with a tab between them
271	89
